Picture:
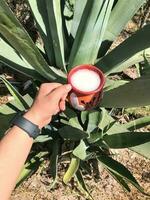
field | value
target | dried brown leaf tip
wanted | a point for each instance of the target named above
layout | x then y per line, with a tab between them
6	99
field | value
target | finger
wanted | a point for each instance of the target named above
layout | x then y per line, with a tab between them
64	97
59	92
62	105
46	88
62	102
56	111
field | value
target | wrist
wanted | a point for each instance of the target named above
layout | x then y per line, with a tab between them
31	116
27	123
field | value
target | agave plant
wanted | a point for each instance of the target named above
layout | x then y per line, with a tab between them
80	32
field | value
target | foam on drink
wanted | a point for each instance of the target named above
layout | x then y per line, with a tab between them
85	80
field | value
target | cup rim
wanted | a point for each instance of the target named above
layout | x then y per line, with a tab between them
91	67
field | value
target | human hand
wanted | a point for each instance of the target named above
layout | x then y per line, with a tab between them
49	101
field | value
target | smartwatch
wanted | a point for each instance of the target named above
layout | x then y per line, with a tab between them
30	128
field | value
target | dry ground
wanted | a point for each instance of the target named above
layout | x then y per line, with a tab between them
36	187
106	188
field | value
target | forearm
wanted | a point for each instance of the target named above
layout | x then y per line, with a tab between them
16	145
14	149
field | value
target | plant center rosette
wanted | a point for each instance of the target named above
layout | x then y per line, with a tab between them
87	83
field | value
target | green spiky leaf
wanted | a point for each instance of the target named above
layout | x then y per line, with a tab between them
132	94
54	161
11	29
120	170
130	52
92	25
80	150
57	32
15	94
73	167
41	17
71	133
119	17
128	139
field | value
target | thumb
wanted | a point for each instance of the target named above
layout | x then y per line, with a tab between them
59	92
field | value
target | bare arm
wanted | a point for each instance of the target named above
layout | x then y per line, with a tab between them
16	145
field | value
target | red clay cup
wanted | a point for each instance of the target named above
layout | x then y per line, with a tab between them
81	100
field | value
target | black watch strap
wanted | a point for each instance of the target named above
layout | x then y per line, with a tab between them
31	129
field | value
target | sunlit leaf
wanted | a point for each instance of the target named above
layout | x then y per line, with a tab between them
90	32
119	17
137	123
94	119
132	48
143	149
132	94
41	17
126	139
29	168
73	167
11	58
57	32
14	32
15	93
80	150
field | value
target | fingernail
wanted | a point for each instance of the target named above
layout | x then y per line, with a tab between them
68	87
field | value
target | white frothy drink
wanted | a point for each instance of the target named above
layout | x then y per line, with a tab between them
85	80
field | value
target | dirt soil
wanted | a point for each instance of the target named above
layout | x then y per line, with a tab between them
106	188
